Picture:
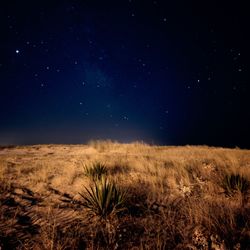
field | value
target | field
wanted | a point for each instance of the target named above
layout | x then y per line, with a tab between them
187	197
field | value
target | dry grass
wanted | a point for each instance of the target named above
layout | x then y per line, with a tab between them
175	197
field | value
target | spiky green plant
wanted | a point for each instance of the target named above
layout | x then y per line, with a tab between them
235	183
104	198
95	171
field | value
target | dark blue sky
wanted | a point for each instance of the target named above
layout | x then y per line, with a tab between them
166	72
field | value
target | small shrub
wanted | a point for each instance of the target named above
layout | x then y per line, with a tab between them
102	145
235	183
104	198
96	171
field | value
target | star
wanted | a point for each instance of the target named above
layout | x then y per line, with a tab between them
81	71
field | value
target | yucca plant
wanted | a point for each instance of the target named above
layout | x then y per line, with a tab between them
104	198
95	171
235	183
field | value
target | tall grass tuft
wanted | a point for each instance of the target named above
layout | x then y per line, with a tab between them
233	183
104	198
95	171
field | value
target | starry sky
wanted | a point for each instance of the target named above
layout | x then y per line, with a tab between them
165	72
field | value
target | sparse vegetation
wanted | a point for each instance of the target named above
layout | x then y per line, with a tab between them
104	198
176	197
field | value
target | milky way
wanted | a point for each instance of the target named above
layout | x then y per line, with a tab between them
165	73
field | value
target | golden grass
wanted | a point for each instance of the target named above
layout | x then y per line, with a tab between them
175	197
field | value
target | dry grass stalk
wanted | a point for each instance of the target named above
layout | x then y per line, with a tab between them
175	197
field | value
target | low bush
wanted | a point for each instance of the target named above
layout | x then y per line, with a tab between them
95	171
104	198
233	183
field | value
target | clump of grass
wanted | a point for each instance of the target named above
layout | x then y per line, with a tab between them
103	145
95	171
104	198
233	183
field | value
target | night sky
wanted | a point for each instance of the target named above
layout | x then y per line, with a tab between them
165	72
